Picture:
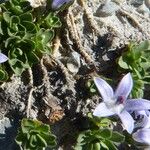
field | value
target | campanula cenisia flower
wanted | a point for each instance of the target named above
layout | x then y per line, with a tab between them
142	136
3	58
56	4
142	119
116	103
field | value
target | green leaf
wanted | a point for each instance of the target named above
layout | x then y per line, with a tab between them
28	124
26	17
20	138
105	133
55	22
1	30
52	21
122	63
146	79
96	146
26	45
43	128
145	65
33	141
6	16
18	67
80	138
15	2
17	10
110	145
144	46
117	137
34	135
99	122
40	141
3	75
105	122
32	58
30	27
92	90
11	40
14	21
136	52
47	36
43	37
51	139
137	73
104	145
90	146
25	5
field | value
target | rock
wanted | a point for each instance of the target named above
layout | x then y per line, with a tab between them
73	63
143	9
107	9
147	3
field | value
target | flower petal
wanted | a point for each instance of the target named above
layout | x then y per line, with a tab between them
142	136
56	4
125	86
145	122
143	119
140	113
3	58
127	121
102	111
104	88
137	104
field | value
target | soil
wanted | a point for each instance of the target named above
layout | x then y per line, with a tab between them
93	35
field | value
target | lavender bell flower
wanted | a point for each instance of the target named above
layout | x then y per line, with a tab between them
142	136
56	4
3	58
116	103
143	119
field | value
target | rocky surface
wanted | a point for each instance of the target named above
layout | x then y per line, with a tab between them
92	36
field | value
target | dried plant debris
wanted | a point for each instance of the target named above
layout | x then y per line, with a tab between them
91	38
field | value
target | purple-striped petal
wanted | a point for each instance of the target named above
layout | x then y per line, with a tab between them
142	136
143	120
140	113
104	88
127	121
102	111
56	4
3	58
137	104
125	86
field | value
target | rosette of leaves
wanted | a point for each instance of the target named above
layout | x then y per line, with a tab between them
34	135
105	139
24	36
137	60
99	136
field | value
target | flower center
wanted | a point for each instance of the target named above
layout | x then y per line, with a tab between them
120	100
116	105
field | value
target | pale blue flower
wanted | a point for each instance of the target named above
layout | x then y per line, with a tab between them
56	4
3	58
142	119
142	136
116	103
